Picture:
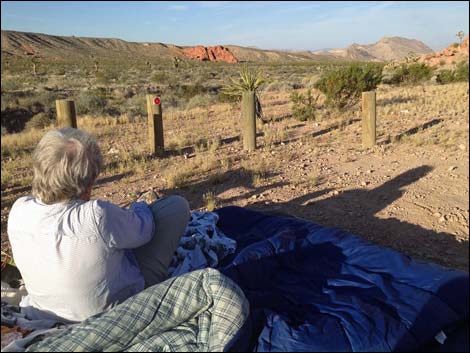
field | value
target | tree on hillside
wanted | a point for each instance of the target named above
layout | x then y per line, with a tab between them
460	35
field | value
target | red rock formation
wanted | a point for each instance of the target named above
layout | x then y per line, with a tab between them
448	56
217	53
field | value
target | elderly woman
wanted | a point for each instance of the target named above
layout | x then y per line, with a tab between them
77	256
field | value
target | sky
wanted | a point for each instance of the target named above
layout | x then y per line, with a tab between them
287	25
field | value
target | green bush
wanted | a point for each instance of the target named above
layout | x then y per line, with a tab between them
445	76
343	87
160	77
91	102
227	98
107	75
136	106
199	101
10	85
411	74
303	107
461	72
39	121
189	91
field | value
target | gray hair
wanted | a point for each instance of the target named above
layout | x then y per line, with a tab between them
66	162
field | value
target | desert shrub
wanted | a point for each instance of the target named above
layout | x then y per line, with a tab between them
39	121
46	99
303	107
411	74
8	101
199	101
107	75
189	91
343	87
136	105
445	76
461	72
309	81
128	93
10	85
160	77
91	102
276	86
222	97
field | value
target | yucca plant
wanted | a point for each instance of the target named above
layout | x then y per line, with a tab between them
248	81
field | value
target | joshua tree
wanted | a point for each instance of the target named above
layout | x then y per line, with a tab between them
95	62
460	35
33	62
248	81
176	61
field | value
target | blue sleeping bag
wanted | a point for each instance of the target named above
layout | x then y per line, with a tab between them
312	288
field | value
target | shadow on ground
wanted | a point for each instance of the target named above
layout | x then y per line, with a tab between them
355	211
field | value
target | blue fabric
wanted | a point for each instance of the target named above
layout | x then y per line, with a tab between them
312	288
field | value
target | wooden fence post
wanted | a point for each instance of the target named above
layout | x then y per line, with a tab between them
155	126
66	116
248	120
369	115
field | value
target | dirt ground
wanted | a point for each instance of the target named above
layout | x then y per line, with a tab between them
409	193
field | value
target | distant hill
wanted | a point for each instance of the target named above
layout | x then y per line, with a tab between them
22	44
253	54
386	49
49	46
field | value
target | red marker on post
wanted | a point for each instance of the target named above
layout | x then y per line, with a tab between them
155	125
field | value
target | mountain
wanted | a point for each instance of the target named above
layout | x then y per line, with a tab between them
22	44
386	49
50	46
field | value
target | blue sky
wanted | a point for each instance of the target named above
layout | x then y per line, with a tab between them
295	25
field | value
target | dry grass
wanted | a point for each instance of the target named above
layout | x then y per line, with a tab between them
124	140
258	170
210	201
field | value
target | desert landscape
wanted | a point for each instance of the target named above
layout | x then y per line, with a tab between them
409	192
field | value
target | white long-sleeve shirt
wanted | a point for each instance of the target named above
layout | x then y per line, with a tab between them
75	258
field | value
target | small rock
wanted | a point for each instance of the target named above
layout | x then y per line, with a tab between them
370	171
148	197
437	214
442	219
113	150
365	183
336	192
463	147
452	168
